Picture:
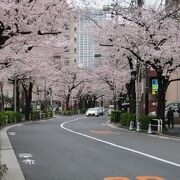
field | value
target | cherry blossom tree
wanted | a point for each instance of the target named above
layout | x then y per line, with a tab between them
114	76
155	42
148	36
68	78
26	29
35	18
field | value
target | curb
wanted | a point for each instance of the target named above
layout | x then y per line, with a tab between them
155	134
8	157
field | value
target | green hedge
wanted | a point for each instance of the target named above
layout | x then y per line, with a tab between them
13	116
144	121
48	114
69	112
35	115
2	119
115	116
83	111
3	169
10	117
126	118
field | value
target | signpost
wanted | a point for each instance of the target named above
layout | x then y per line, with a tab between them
154	86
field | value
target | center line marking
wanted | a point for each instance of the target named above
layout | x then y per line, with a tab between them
115	145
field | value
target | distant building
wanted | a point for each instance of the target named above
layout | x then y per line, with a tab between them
85	46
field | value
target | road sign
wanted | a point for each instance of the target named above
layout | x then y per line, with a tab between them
154	86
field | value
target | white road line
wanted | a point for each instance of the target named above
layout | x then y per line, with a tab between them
115	145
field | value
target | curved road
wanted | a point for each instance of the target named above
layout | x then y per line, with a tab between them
80	148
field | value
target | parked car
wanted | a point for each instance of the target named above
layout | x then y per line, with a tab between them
93	112
101	110
175	106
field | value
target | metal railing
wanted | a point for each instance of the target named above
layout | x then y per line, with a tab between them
158	124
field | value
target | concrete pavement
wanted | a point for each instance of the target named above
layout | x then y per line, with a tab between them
173	131
8	157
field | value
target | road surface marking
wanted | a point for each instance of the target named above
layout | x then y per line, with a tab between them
101	131
149	178
25	155
115	145
29	161
137	178
12	133
116	178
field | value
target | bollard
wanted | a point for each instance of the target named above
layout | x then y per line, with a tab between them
29	117
6	119
159	126
149	129
131	126
138	127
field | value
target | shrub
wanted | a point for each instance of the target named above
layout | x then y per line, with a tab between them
2	119
51	113
3	169
75	111
144	121
18	117
126	118
68	113
13	116
35	115
115	116
83	111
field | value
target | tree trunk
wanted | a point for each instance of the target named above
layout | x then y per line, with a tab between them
67	101
17	97
132	96
28	99
131	87
2	97
162	87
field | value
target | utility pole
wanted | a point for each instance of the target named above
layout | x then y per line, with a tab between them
15	98
146	98
138	91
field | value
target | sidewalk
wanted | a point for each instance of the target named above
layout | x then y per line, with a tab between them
8	157
173	131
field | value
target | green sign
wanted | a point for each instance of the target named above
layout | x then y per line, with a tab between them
154	86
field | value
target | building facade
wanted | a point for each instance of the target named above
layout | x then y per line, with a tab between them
85	44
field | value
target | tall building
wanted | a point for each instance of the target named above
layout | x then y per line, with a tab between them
85	44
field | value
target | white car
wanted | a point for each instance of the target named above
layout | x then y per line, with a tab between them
93	112
101	110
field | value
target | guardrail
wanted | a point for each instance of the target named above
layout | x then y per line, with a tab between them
158	123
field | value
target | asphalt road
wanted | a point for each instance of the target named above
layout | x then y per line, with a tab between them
80	148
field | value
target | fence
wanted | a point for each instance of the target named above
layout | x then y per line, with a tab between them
156	125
